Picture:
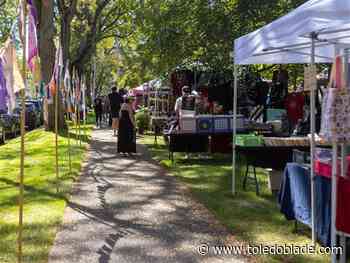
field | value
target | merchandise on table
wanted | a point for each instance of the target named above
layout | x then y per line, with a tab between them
249	140
188	124
275	114
211	124
224	123
287	141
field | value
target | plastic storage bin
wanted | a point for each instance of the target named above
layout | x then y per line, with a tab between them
275	114
240	122
188	124
249	140
222	123
205	124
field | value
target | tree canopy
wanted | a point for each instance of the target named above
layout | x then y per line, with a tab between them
133	41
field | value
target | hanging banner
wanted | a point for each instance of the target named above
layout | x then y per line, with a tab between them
68	89
3	89
83	95
32	45
13	76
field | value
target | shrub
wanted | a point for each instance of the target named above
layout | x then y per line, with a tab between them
143	119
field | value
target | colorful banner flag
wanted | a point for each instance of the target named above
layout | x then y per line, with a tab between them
3	89
13	76
32	45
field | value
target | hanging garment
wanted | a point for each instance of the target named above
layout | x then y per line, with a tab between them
295	200
323	190
32	45
335	122
343	205
295	196
294	104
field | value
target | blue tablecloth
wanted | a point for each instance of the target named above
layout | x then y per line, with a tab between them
295	199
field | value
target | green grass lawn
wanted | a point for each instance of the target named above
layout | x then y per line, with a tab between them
252	219
43	205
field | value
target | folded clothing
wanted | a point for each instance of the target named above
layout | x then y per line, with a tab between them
324	168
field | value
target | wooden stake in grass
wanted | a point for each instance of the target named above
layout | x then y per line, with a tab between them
21	176
79	127
76	124
56	125
69	151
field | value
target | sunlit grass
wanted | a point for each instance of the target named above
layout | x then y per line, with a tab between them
251	218
43	204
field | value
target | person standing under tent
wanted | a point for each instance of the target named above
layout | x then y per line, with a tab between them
126	131
115	101
185	105
98	111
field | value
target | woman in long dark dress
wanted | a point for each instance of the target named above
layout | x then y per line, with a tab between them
126	131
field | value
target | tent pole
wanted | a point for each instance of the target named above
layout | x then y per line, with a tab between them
344	153
334	209
312	142
234	130
334	189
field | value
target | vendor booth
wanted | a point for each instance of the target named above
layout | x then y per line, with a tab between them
159	98
139	93
315	32
206	122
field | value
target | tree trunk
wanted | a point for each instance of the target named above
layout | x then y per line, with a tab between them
65	38
47	51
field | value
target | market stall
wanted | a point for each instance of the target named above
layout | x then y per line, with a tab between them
159	103
208	113
313	33
139	93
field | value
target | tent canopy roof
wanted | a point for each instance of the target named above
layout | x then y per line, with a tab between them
288	39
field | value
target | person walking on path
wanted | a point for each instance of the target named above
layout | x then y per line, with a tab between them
115	101
106	111
98	111
126	132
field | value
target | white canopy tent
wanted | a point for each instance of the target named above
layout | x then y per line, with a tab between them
288	39
312	33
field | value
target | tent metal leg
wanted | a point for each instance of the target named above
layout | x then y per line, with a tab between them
334	200
312	142
234	130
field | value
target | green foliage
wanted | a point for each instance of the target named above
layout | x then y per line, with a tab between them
172	33
143	119
7	18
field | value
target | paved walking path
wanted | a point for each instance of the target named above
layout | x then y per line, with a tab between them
126	209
